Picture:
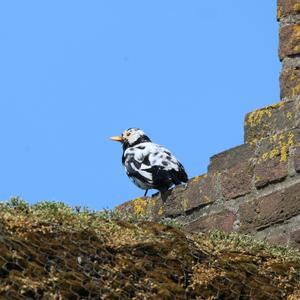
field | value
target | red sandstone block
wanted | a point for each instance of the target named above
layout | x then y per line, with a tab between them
267	210
287	7
269	120
295	238
200	191
272	157
270	171
236	181
278	145
221	221
297	158
149	206
231	157
290	83
289	40
281	238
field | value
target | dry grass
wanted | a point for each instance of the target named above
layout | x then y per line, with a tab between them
51	251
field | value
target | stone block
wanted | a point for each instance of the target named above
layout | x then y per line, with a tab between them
290	83
222	221
272	157
146	206
287	7
295	238
269	120
289	41
231	157
237	180
270	171
296	158
278	145
265	211
200	191
280	238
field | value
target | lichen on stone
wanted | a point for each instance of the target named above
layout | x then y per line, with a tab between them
185	204
255	118
139	205
281	144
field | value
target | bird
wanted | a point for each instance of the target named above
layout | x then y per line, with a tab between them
149	165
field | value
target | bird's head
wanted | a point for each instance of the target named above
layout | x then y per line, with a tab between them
131	137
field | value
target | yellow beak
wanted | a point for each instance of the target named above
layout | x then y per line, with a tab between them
116	138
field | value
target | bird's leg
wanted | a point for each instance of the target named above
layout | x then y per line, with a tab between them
146	193
164	193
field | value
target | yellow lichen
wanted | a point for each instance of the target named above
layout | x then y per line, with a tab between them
285	146
185	204
196	179
206	199
295	90
271	154
253	142
160	211
279	12
293	76
274	137
289	115
296	30
139	206
296	36
153	201
256	116
283	143
296	7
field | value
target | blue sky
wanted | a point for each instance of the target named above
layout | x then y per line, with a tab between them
74	73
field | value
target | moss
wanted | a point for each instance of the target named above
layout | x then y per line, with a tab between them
223	241
52	251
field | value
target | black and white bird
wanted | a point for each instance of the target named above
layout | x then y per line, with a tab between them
148	165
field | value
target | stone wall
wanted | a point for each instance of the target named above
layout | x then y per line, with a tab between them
255	187
288	14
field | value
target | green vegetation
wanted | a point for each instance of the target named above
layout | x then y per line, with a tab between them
52	251
236	242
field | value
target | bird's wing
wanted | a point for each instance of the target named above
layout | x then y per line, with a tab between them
150	163
162	157
136	162
166	161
